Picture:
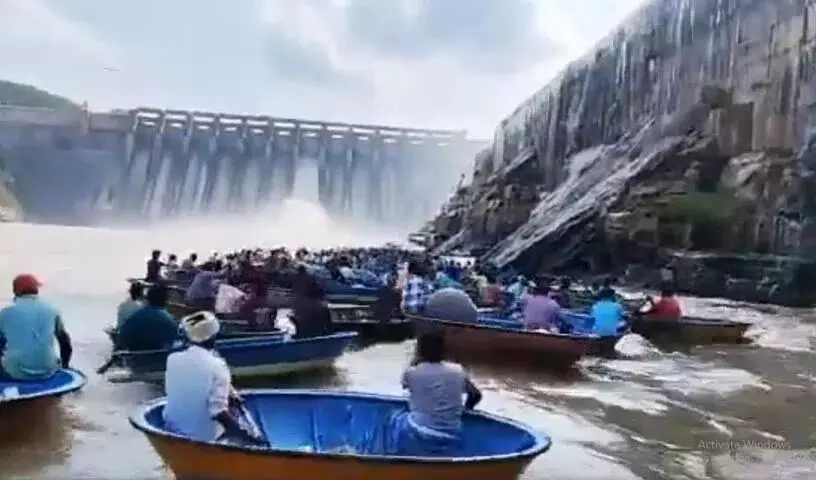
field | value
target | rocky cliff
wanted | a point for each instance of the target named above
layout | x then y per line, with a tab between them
685	130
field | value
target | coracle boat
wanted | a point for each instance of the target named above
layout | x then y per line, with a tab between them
63	382
320	435
690	330
507	342
249	357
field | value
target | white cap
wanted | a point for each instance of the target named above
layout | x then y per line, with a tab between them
200	326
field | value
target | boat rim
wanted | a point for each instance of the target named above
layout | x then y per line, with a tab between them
79	380
567	336
235	343
542	443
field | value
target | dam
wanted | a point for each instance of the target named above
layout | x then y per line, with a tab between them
149	163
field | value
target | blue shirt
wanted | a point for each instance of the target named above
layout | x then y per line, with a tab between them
435	393
608	316
29	327
126	309
150	328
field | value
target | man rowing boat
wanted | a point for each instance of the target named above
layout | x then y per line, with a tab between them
28	328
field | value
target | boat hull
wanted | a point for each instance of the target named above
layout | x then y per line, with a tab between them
62	383
395	330
230	331
479	342
252	357
211	462
691	331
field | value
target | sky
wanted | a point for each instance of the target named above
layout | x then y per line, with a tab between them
453	64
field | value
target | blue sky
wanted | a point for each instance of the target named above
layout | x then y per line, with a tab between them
426	63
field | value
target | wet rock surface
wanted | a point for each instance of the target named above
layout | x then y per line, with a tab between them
682	139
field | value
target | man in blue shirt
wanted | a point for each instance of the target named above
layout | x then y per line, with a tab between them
28	328
151	327
607	313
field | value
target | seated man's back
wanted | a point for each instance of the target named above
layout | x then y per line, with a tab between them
435	393
149	328
608	315
195	380
29	326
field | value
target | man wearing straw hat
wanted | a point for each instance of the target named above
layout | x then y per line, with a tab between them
198	383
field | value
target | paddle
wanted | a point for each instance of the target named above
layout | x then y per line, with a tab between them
107	365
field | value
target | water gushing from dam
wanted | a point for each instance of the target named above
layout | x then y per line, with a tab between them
149	164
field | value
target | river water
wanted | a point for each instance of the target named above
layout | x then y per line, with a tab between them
716	412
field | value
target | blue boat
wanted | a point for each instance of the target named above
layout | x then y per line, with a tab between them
318	434
261	356
64	381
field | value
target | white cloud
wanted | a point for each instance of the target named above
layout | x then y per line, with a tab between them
428	63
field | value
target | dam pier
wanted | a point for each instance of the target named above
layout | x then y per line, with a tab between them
151	163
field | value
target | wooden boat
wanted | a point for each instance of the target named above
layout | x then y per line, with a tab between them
508	342
357	318
599	345
349	294
690	330
64	381
321	435
250	357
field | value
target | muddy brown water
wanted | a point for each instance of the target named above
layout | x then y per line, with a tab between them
723	412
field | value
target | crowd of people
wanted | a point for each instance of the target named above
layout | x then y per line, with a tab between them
203	404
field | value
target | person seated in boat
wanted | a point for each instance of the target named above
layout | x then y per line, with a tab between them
517	289
171	268
492	294
151	327
311	315
416	291
201	402
607	313
433	422
190	262
303	282
154	266
667	307
451	304
541	311
28	328
443	280
202	292
563	296
134	303
454	271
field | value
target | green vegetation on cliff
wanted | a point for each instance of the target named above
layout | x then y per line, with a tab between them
18	94
703	207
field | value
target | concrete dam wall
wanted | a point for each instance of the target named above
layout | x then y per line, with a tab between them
148	163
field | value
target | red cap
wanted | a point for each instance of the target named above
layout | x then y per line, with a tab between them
26	283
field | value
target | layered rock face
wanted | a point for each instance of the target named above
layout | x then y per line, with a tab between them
687	129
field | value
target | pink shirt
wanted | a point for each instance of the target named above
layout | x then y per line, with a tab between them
541	312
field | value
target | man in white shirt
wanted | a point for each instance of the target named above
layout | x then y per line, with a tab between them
200	397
